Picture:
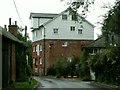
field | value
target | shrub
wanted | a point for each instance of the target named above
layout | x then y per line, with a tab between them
60	66
84	66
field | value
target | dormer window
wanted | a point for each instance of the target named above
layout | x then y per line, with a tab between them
64	16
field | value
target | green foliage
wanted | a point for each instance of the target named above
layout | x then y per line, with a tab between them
22	69
84	67
29	70
51	71
106	66
25	85
64	67
59	66
111	25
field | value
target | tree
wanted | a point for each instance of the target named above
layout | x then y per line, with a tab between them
75	5
22	69
111	25
84	66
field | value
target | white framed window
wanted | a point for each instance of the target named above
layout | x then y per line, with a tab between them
40	47
65	44
72	28
37	49
40	60
64	16
34	48
55	30
80	31
33	60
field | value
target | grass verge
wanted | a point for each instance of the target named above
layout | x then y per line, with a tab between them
25	84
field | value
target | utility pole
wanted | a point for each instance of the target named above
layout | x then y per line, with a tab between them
25	33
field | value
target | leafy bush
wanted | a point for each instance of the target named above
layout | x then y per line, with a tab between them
84	66
60	66
51	71
106	66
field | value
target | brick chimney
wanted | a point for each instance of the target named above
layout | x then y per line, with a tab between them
5	27
13	28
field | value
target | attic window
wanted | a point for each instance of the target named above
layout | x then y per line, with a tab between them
73	17
79	31
72	28
64	16
55	30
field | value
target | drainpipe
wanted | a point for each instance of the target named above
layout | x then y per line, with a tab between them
44	53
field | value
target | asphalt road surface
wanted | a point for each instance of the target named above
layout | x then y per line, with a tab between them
64	84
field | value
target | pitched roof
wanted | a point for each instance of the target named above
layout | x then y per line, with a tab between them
43	15
8	35
61	14
52	16
99	43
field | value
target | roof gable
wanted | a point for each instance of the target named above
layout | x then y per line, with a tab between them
63	13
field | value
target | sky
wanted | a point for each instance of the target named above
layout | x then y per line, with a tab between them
25	7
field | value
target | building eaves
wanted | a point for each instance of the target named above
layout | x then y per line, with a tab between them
42	15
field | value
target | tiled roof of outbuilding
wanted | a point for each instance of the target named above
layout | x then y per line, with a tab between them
8	35
99	43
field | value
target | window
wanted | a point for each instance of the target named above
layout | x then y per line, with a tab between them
79	31
37	49
40	47
40	60
72	28
33	48
55	30
36	62
64	44
64	17
33	61
51	44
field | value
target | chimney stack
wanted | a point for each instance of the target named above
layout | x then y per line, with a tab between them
5	27
9	21
12	28
15	22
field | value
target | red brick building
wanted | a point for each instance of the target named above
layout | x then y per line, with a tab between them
57	35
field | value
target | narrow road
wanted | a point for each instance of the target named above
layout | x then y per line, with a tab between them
52	83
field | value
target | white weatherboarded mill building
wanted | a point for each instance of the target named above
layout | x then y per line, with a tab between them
55	35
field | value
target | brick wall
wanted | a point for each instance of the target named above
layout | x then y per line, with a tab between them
54	49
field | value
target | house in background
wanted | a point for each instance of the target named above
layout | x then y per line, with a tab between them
57	35
100	44
96	46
